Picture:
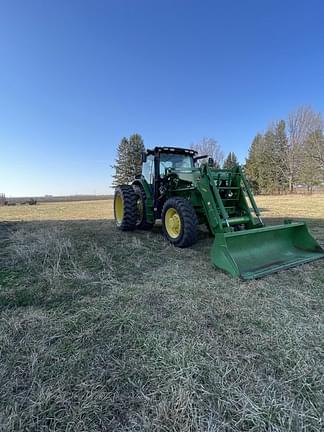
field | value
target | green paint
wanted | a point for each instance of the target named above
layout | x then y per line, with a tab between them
243	245
258	252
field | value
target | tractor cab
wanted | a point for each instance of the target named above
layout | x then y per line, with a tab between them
163	170
160	160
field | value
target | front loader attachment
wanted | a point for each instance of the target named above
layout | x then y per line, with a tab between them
257	252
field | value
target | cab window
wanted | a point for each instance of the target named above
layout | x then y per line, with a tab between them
175	161
147	169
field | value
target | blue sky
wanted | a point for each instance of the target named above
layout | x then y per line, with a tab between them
76	76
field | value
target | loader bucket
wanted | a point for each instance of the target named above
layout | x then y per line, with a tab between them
255	253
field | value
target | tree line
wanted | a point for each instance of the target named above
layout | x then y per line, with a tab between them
289	153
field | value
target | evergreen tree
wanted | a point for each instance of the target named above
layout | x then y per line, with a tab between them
280	156
129	159
268	159
136	149
253	162
231	161
266	162
275	171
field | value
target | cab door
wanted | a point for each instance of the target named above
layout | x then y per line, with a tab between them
148	170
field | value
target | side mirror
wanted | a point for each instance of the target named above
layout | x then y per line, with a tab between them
196	158
144	156
211	161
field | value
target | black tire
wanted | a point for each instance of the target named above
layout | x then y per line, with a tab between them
189	222
125	198
141	222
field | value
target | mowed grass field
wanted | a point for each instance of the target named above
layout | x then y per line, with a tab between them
108	331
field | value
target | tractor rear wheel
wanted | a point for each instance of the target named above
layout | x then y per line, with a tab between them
179	222
141	222
125	209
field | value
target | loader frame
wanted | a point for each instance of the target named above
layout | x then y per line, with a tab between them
204	190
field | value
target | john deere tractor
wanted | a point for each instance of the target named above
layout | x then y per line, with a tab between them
177	187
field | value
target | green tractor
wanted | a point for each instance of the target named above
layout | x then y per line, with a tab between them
182	193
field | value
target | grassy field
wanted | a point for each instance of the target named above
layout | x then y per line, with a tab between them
108	331
71	210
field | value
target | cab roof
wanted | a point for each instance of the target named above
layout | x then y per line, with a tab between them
171	150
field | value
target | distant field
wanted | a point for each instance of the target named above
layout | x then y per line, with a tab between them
70	210
102	330
284	206
292	206
57	198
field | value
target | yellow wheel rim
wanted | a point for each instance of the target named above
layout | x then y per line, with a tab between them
119	208
172	223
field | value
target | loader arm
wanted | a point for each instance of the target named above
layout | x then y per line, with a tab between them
243	245
223	195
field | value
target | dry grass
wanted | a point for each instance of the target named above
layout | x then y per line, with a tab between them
292	206
110	331
69	210
284	206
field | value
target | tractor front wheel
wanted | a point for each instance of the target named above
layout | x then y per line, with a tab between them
179	222
125	207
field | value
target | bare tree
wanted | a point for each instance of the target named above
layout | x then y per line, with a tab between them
211	148
314	149
302	123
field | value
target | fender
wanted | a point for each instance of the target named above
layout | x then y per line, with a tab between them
141	182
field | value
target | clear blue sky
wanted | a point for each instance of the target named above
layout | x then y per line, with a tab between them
76	76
